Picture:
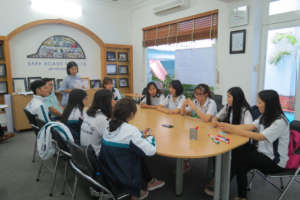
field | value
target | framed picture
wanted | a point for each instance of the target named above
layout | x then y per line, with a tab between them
111	56
123	82
30	80
3	87
58	83
1	51
123	69
85	83
95	83
2	70
122	56
19	85
111	69
114	81
237	41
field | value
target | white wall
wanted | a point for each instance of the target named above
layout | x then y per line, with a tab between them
234	70
28	42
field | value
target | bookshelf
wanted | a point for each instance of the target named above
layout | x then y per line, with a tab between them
117	60
5	73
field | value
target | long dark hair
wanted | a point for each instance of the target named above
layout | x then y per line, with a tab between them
273	108
70	65
148	96
204	88
102	101
122	111
75	101
239	102
176	84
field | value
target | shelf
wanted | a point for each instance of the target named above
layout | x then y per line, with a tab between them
2	61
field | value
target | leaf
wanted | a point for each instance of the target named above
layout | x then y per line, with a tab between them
278	57
280	36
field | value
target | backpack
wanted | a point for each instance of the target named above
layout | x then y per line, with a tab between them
294	150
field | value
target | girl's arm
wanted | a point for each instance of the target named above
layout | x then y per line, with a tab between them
203	116
168	111
144	105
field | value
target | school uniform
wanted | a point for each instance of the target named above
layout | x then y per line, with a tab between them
70	82
155	101
246	117
170	104
51	101
209	107
92	130
74	122
37	107
122	154
270	156
116	94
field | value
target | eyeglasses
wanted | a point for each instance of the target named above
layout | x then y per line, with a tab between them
199	94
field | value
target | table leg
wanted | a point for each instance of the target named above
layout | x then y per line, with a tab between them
217	187
179	176
225	176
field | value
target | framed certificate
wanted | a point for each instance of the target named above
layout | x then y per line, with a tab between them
19	84
237	41
111	69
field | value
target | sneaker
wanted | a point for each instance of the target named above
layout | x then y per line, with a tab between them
6	136
93	192
209	190
144	194
187	166
155	184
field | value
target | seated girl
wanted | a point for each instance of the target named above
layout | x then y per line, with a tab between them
74	114
271	154
203	106
96	121
123	151
108	84
153	97
173	102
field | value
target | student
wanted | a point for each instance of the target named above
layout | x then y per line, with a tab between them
237	111
96	121
173	102
36	106
203	106
55	110
108	84
271	154
70	82
74	114
153	97
123	151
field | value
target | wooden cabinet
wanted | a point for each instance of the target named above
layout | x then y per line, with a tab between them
5	72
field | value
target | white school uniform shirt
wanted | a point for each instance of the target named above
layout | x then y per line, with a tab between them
209	107
170	104
92	131
155	101
116	94
246	117
276	144
76	114
37	107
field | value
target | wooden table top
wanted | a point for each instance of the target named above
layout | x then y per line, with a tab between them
175	142
132	95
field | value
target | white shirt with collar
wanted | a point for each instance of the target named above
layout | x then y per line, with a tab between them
276	144
37	107
209	107
246	117
76	114
92	130
155	101
116	94
170	104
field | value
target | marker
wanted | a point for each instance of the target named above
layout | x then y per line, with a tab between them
196	128
222	133
213	139
223	139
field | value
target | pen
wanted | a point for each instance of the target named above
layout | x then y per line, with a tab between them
213	139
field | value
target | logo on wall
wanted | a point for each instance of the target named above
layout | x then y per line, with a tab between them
59	47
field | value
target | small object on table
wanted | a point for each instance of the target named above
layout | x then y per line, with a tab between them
213	138
223	139
194	133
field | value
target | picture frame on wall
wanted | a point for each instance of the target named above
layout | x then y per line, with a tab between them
30	80
95	83
85	83
19	85
123	83
2	70
237	41
58	83
111	69
123	69
114	82
1	51
3	87
122	56
111	56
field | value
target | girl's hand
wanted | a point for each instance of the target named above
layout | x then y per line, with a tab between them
226	127
147	132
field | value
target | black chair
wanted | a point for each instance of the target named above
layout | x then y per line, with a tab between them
83	168
292	174
218	100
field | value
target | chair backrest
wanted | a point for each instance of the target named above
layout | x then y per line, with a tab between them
59	140
255	112
218	100
39	123
30	117
295	125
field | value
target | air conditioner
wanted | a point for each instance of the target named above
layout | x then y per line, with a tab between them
169	6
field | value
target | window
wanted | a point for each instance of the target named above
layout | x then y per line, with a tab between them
283	6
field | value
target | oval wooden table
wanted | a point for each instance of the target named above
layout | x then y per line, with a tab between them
176	143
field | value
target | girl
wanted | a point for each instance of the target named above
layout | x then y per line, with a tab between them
237	111
153	97
96	122
271	154
74	114
173	102
203	106
70	82
108	84
123	151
